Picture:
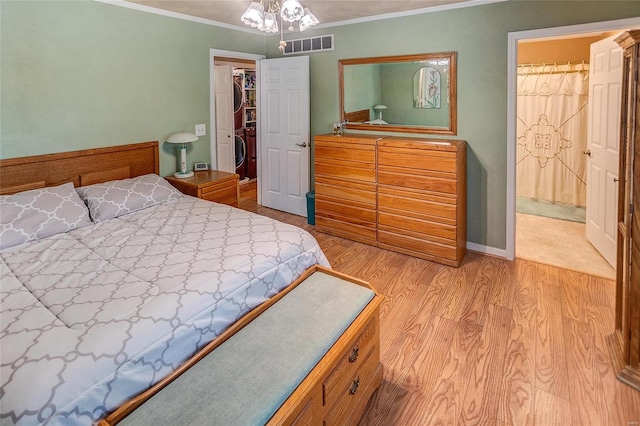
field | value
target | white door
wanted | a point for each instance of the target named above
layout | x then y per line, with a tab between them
284	133
603	141
223	81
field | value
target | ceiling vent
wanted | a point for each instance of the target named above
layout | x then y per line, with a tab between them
311	44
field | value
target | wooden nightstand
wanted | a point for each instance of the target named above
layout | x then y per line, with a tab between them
211	185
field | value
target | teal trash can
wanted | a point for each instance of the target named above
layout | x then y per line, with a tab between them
311	207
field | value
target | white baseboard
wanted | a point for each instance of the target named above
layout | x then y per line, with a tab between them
486	250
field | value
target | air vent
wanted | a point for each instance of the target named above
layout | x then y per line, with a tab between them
311	44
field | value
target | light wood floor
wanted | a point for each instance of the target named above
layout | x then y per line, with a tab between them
490	343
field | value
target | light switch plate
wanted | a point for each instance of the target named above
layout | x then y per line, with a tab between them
201	129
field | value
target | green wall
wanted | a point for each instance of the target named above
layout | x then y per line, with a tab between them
479	34
363	83
83	74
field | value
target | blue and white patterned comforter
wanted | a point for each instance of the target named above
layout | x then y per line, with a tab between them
92	317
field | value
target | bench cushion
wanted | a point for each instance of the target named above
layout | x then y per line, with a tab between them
247	378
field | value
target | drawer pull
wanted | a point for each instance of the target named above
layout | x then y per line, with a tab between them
354	386
354	354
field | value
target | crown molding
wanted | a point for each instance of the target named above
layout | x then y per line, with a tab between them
441	8
170	14
156	11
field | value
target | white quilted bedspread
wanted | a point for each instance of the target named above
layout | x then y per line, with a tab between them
94	316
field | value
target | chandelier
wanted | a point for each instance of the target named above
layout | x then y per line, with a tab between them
263	15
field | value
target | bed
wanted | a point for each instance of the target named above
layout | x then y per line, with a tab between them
111	279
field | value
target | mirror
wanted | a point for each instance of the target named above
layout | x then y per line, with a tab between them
409	93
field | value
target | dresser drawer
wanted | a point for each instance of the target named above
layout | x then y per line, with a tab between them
363	193
405	223
417	246
356	171
340	228
417	179
353	397
225	193
346	213
339	379
429	206
355	153
441	161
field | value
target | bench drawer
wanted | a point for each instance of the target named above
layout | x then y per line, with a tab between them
354	396
350	362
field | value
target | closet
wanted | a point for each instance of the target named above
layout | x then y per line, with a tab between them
244	122
624	343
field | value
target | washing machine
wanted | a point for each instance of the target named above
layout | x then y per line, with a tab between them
238	103
251	161
241	152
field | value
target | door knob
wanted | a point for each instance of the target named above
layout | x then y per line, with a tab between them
302	145
587	152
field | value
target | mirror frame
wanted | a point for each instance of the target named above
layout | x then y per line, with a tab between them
453	94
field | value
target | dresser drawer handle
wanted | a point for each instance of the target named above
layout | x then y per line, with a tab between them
354	354
354	386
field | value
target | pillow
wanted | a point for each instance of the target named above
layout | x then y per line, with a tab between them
119	197
35	214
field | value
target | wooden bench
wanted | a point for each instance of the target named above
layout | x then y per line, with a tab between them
311	356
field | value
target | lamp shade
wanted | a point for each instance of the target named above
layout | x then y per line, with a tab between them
308	20
291	10
253	16
182	137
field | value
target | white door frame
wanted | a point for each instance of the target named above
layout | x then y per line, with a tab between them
212	101
512	69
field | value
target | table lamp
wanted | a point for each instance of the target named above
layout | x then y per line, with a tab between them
379	120
182	138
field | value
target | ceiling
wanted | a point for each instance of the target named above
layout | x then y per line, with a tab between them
327	11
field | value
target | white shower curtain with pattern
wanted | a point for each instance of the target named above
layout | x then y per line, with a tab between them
552	133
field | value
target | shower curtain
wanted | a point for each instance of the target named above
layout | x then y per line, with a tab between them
552	133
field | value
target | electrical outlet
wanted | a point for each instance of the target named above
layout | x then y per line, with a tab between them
201	129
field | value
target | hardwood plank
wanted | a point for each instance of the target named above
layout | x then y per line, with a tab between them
410	406
445	402
457	287
551	364
480	405
551	410
584	391
516	397
572	288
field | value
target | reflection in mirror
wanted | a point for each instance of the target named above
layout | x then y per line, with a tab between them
426	88
416	92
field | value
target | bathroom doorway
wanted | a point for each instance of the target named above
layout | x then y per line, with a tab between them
552	153
543	231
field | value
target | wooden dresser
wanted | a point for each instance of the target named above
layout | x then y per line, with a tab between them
210	185
345	171
422	198
401	194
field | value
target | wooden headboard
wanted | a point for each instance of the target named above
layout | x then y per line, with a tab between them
357	116
84	167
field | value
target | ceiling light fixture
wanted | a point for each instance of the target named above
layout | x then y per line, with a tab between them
263	15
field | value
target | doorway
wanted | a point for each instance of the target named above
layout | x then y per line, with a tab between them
243	79
551	154
514	43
